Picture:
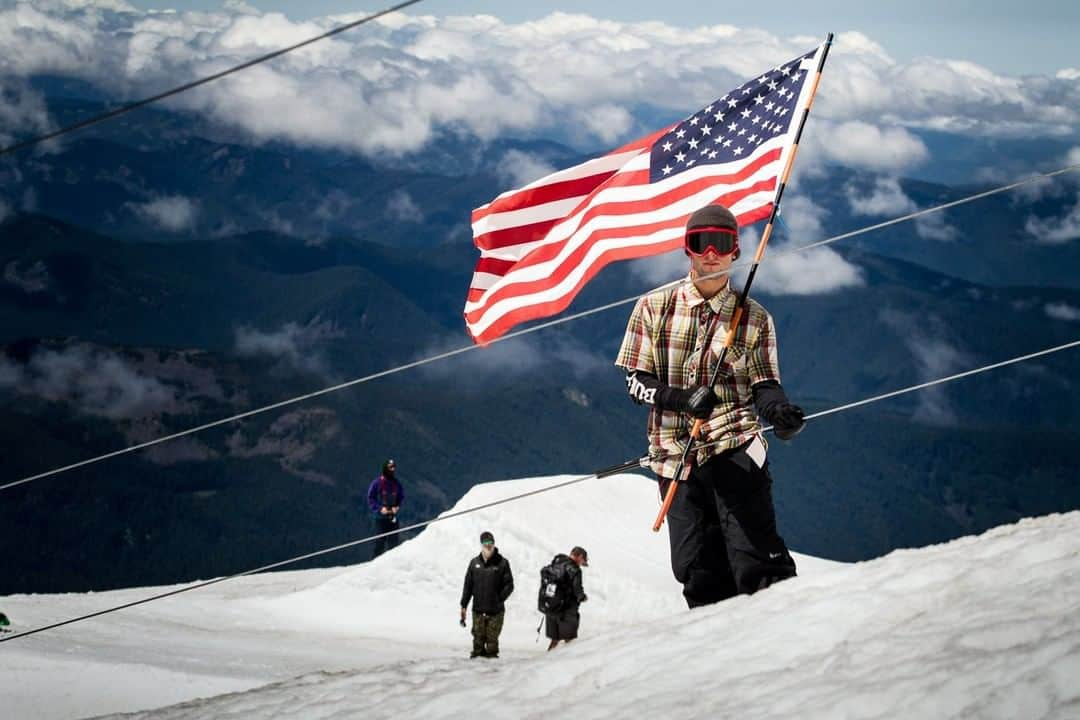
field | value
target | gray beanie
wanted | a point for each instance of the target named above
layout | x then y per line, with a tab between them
713	216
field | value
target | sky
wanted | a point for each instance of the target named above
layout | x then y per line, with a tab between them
1017	38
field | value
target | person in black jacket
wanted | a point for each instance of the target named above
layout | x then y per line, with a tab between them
488	583
563	625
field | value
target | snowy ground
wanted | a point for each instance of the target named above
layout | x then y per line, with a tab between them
986	626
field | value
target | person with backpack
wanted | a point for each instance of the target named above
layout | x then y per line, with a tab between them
561	594
488	583
722	523
385	496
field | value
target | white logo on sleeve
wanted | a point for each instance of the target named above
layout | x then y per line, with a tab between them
638	391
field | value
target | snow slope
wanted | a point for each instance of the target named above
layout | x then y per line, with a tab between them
985	626
403	606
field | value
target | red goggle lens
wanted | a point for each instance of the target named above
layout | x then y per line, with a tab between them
722	240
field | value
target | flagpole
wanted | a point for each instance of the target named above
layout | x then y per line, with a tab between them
740	302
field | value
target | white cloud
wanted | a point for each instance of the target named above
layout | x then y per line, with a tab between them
935	227
388	87
785	271
1041	188
296	345
1056	231
517	168
283	225
1068	74
606	122
934	358
804	220
97	382
173	213
186	449
511	360
809	272
293	439
886	198
661	269
402	208
335	204
22	110
1062	311
1033	191
865	145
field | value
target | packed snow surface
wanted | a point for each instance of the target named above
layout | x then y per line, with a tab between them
985	627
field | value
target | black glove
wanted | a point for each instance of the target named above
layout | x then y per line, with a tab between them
698	402
788	421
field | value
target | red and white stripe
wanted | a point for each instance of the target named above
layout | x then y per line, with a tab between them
540	244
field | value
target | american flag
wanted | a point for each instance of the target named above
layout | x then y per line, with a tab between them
540	244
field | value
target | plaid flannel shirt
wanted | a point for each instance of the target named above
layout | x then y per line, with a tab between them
665	336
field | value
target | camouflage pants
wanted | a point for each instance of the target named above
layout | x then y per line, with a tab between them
485	634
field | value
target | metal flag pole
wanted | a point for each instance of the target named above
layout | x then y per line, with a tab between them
740	302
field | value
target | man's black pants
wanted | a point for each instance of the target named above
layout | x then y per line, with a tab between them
722	529
384	524
562	625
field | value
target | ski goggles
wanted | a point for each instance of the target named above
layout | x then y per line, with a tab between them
722	240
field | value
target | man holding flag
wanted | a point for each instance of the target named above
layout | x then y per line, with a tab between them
691	186
721	525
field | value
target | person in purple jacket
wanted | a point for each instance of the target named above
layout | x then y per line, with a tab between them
385	496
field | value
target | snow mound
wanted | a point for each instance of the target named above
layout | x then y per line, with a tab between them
402	607
985	626
628	579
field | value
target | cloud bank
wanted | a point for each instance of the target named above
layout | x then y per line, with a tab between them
386	88
98	382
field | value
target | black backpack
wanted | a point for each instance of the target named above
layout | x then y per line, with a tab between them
555	588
